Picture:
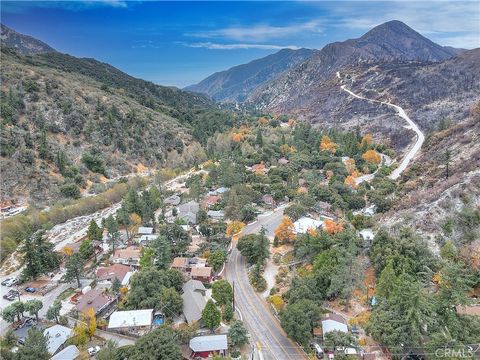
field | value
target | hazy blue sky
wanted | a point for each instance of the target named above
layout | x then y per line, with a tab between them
180	43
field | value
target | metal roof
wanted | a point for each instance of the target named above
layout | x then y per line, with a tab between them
56	336
132	318
69	353
209	343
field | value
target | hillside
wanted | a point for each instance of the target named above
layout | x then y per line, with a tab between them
437	206
236	83
24	44
297	90
70	123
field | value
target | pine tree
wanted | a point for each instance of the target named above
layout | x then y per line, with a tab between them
259	139
211	316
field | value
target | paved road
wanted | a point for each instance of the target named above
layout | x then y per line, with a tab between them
267	335
420	137
269	220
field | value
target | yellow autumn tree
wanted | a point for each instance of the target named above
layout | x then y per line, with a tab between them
136	220
67	250
332	227
372	157
350	165
287	149
91	322
277	302
367	140
328	145
285	232
234	227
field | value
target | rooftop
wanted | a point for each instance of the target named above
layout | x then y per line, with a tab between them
209	343
304	223
205	271
194	300
145	230
118	271
56	336
69	353
132	318
95	299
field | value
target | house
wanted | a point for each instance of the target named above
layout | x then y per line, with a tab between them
179	264
144	230
96	299
259	169
201	273
145	240
188	212
106	275
194	300
194	246
56	337
303	224
186	265
128	256
69	353
210	200
204	346
268	200
131	320
173	200
220	191
334	322
216	214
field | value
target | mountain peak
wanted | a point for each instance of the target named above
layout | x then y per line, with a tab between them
24	44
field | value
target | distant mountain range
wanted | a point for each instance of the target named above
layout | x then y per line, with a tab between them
236	83
286	75
23	44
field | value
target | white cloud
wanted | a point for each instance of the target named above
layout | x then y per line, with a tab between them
259	32
216	46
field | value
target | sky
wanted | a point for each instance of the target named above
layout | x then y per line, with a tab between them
180	43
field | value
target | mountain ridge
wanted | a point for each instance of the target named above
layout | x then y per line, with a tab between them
235	83
24	44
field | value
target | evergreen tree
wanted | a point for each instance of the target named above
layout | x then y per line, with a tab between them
222	292
74	268
94	232
112	229
211	316
53	311
163	252
39	256
238	334
35	346
259	138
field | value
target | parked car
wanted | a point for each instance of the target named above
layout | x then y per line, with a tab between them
92	351
21	341
355	330
27	322
11	295
10	281
30	289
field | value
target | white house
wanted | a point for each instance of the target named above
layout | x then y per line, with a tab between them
131	319
334	322
304	223
367	234
205	345
69	353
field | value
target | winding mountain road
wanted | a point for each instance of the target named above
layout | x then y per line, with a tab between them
420	137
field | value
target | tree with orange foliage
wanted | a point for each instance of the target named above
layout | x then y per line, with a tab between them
291	122
236	137
372	157
328	145
262	120
234	227
67	250
332	227
350	181
285	232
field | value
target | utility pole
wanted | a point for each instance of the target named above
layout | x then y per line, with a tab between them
233	295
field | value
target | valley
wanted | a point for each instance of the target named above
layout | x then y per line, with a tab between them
312	203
